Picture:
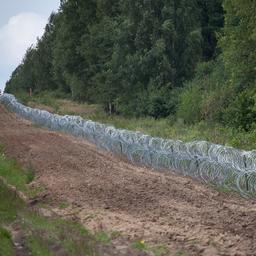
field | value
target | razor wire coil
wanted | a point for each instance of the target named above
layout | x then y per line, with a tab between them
216	164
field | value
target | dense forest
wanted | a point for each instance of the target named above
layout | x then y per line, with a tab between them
191	60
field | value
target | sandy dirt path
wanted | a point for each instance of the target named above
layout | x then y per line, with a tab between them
106	192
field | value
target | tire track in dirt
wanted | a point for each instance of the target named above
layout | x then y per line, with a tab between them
106	192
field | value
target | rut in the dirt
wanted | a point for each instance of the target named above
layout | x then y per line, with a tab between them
107	192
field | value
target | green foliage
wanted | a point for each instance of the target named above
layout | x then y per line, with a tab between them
13	173
207	95
103	237
30	173
239	42
40	235
64	205
6	246
168	127
10	204
141	245
156	250
189	108
72	237
126	55
46	98
212	19
242	112
47	236
37	247
226	85
149	58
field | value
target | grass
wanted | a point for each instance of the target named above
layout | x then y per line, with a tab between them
14	174
44	99
10	204
165	128
115	234
57	234
44	236
17	176
64	205
30	174
37	246
159	250
9	207
103	237
6	245
141	245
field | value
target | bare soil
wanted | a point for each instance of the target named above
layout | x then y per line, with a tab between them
106	192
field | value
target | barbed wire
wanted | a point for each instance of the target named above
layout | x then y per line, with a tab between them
220	165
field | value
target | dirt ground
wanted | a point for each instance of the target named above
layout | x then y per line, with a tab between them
106	192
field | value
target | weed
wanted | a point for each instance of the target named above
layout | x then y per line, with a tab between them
33	192
43	236
66	235
181	253
64	205
115	234
160	250
37	246
102	237
13	173
30	174
10	204
6	246
140	245
1	149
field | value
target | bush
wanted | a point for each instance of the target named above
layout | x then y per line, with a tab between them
190	105
207	95
163	102
242	112
153	102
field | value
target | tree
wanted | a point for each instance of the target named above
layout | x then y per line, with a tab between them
128	55
239	42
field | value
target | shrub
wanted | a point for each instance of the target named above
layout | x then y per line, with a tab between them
189	108
242	112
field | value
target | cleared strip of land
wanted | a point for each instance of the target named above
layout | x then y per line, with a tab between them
104	191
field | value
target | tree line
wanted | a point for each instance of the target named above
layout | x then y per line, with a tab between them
189	59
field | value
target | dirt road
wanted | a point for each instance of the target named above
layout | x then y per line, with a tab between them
107	192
